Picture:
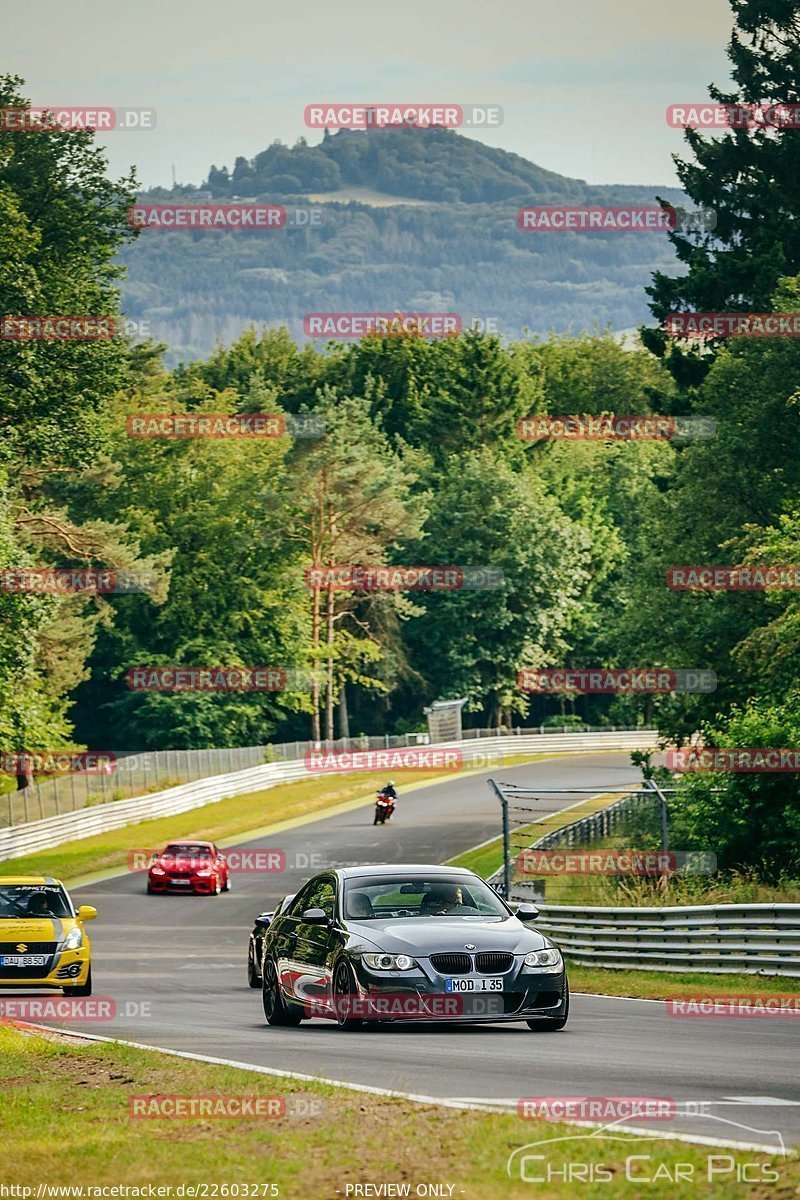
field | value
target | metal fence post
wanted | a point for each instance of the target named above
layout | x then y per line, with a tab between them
506	841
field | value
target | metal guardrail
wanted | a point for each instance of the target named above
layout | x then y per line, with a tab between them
22	839
713	938
143	771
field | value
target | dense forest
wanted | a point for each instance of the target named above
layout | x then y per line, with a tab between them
448	243
417	460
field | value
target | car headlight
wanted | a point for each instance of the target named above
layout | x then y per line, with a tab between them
74	939
389	962
157	871
538	959
204	874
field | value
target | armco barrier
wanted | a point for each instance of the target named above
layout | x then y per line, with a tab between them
18	840
714	938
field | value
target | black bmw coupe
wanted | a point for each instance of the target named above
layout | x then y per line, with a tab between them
415	943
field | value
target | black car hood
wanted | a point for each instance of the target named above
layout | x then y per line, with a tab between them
420	937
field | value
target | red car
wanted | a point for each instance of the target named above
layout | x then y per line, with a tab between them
189	867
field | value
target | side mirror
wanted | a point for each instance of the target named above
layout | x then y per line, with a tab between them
527	912
315	916
264	920
86	912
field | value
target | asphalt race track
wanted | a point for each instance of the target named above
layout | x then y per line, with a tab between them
185	957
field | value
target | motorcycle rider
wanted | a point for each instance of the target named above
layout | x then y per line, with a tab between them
389	794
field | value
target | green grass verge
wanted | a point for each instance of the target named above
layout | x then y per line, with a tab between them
225	819
65	1121
659	985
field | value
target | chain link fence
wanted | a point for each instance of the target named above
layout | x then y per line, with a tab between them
137	773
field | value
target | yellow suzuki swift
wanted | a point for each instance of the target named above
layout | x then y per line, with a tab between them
43	941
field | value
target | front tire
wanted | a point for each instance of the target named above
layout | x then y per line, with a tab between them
275	1009
82	989
343	992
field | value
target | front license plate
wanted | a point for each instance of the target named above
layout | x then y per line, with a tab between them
467	984
23	960
180	883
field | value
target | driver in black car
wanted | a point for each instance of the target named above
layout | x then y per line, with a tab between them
442	900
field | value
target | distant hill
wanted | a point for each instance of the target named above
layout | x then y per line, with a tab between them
433	228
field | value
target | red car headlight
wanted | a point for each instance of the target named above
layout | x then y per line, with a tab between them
157	871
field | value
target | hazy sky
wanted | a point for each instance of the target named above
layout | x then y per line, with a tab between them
583	83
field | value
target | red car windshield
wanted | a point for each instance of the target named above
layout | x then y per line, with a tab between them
188	851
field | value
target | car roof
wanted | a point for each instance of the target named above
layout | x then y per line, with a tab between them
187	842
402	869
28	879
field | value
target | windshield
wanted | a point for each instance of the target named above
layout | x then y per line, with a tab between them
187	851
23	901
382	897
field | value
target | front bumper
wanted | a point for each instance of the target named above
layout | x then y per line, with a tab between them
422	995
181	883
70	968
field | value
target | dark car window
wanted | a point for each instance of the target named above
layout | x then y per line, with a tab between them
299	904
396	896
322	895
24	900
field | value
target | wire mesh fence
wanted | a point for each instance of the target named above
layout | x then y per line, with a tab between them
536	821
137	773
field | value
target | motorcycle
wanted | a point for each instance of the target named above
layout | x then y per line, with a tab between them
383	809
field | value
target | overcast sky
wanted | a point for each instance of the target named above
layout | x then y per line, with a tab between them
583	83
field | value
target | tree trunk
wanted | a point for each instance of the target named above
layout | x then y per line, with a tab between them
315	623
344	717
329	672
